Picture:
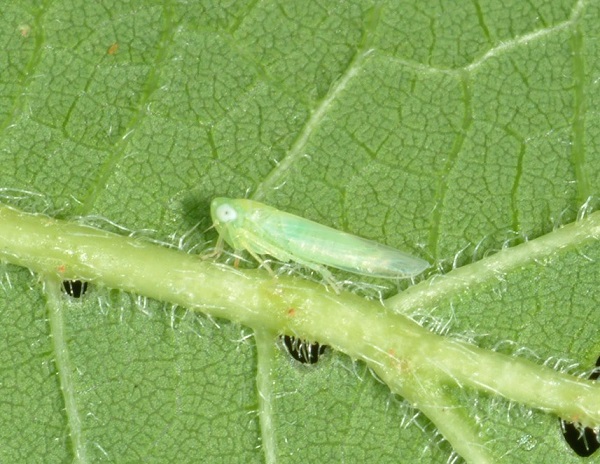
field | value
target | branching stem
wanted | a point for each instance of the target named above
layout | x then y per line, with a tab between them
415	363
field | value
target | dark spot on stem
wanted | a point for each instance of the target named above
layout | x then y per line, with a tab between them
74	288
583	440
306	353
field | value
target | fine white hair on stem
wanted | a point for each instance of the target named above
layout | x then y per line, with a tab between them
141	303
560	220
458	254
147	234
565	365
513	238
354	366
182	240
96	220
211	319
6	283
245	337
17	197
587	208
18	194
103	304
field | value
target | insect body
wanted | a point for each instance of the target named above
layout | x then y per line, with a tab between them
261	229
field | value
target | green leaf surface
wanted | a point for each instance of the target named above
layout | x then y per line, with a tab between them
449	131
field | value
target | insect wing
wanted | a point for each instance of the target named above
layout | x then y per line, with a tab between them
263	231
309	242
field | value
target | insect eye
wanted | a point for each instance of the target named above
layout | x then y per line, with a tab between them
226	213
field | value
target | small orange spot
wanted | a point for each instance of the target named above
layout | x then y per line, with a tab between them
291	312
399	364
25	30
113	48
62	268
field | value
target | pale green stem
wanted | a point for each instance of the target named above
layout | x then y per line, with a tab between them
64	368
452	420
265	352
392	344
426	294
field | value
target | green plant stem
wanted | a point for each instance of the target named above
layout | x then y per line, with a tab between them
265	350
61	359
452	420
394	346
429	292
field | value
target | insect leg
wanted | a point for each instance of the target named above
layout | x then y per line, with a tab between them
326	274
216	252
328	277
262	262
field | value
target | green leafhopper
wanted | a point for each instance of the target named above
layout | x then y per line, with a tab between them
264	230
